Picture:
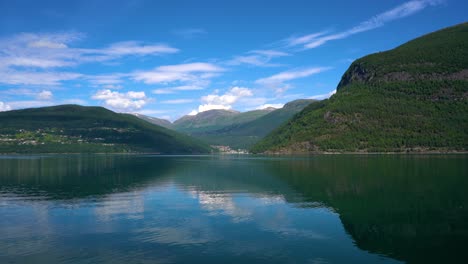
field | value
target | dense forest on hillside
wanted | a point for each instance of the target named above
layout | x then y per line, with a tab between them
78	129
412	98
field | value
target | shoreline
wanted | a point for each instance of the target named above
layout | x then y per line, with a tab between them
247	154
366	153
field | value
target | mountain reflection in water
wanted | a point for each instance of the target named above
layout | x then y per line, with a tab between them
230	209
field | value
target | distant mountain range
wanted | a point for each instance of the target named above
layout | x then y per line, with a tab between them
78	129
154	120
216	119
412	98
238	130
235	129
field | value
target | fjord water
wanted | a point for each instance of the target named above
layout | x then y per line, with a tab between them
234	209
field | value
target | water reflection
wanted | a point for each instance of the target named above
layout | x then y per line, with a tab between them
320	209
412	208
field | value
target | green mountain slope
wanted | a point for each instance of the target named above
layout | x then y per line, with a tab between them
412	98
215	119
244	135
76	129
156	121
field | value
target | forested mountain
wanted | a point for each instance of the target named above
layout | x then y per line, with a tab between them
77	129
412	98
235	129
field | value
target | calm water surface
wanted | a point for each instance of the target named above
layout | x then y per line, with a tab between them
233	209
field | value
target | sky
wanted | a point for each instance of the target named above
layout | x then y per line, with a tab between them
172	58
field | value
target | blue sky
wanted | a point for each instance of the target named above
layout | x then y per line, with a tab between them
171	58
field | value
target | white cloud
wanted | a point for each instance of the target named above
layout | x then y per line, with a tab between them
15	77
163	91
251	59
137	48
44	43
4	107
106	79
23	92
171	90
29	104
259	58
44	95
191	67
228	98
322	96
277	106
188	88
53	50
177	101
136	95
225	101
51	41
34	62
192	73
304	39
27	58
406	9
193	112
19	92
129	101
207	107
271	53
277	81
39	50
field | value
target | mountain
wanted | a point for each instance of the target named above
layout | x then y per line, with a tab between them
154	120
412	98
216	119
246	134
207	120
76	129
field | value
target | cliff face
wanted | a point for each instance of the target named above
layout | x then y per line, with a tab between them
357	73
441	55
412	98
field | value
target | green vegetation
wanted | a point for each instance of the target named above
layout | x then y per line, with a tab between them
235	129
78	129
156	121
216	119
246	134
412	98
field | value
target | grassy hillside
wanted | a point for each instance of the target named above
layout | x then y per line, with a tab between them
76	129
412	98
215	119
156	121
244	135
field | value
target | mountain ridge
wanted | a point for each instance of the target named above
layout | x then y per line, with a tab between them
215	119
385	102
154	120
77	129
243	135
